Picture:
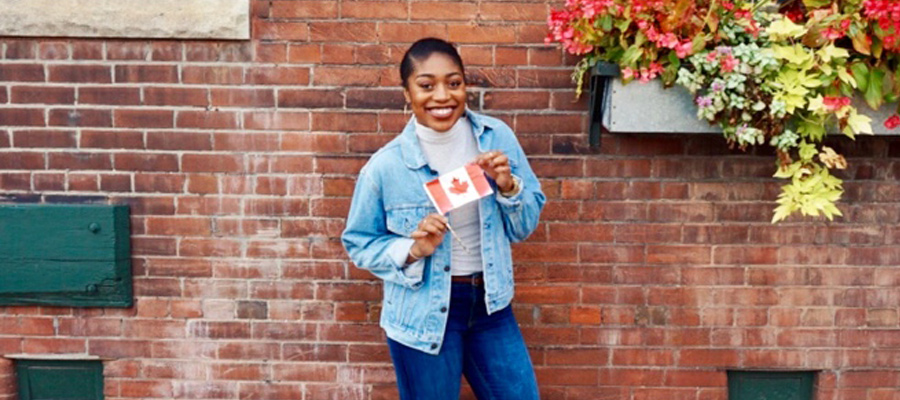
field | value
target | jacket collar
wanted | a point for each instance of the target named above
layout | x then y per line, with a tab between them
412	153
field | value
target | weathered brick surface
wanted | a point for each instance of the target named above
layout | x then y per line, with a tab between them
653	271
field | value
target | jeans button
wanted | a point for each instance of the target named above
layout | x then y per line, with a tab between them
443	309
447	269
433	346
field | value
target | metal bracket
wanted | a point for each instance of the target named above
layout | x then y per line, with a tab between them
602	75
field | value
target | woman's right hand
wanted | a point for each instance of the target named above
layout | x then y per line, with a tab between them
428	235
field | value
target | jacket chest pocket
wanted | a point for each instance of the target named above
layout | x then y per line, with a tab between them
404	220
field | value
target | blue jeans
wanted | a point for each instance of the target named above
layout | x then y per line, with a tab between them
488	349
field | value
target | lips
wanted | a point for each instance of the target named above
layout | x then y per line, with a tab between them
440	112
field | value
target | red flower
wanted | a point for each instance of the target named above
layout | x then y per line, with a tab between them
892	122
835	103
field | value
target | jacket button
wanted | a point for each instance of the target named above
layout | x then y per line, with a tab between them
443	309
433	346
446	268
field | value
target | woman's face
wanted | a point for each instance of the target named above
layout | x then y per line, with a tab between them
436	92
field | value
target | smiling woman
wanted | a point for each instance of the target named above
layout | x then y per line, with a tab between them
446	308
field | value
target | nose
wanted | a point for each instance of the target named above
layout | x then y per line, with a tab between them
441	93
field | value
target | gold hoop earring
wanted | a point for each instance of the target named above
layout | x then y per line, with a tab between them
405	109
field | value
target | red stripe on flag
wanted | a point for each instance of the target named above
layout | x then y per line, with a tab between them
477	175
442	202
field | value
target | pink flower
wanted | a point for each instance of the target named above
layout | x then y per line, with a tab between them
892	122
729	63
684	49
627	73
711	56
835	103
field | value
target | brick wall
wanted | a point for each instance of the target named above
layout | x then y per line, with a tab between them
653	272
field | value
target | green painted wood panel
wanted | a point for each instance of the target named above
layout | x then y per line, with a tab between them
766	385
60	380
65	255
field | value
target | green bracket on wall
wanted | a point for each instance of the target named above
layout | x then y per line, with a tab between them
770	385
60	380
65	255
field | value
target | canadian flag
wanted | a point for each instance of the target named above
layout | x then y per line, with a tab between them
458	187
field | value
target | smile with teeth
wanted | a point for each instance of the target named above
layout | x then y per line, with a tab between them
441	112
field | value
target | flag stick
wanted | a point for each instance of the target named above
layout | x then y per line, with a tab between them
458	240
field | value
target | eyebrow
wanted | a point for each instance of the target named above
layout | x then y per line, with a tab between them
432	75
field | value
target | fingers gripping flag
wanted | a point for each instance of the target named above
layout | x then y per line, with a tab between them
458	187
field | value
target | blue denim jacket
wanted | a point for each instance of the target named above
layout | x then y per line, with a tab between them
388	203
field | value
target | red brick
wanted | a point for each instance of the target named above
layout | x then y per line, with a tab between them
304	53
142	118
80	160
51	181
115	183
44	138
271	52
278	76
22	117
175	96
344	122
212	163
390	32
280	30
469	33
513	11
109	95
222	75
146	162
346	76
146	73
80	117
42	95
79	73
290	121
53	50
242	98
268	390
309	98
382	10
207	119
111	139
159	183
443	11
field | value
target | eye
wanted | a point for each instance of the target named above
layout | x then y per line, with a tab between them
426	85
455	84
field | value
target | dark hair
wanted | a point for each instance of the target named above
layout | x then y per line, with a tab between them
424	48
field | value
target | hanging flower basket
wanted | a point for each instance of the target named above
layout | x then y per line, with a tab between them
780	74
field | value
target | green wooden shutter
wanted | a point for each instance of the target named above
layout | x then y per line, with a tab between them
60	380
65	255
759	385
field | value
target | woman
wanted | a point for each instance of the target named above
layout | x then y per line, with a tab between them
446	308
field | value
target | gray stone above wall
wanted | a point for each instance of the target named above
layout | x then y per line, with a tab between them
162	19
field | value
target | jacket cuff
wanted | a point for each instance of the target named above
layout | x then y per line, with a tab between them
411	274
515	198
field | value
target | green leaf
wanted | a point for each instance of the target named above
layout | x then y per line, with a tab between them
606	22
810	4
874	96
784	28
845	76
858	123
861	74
861	43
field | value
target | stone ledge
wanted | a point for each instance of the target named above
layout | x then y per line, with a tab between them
158	19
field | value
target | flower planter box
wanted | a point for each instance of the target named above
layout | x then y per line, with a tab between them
650	108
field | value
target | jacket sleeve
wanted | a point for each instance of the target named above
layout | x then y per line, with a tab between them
521	211
369	243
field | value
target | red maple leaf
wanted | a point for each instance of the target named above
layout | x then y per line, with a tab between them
457	187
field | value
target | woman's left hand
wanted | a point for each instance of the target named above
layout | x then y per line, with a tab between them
496	165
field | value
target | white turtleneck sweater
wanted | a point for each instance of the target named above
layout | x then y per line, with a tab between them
446	151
